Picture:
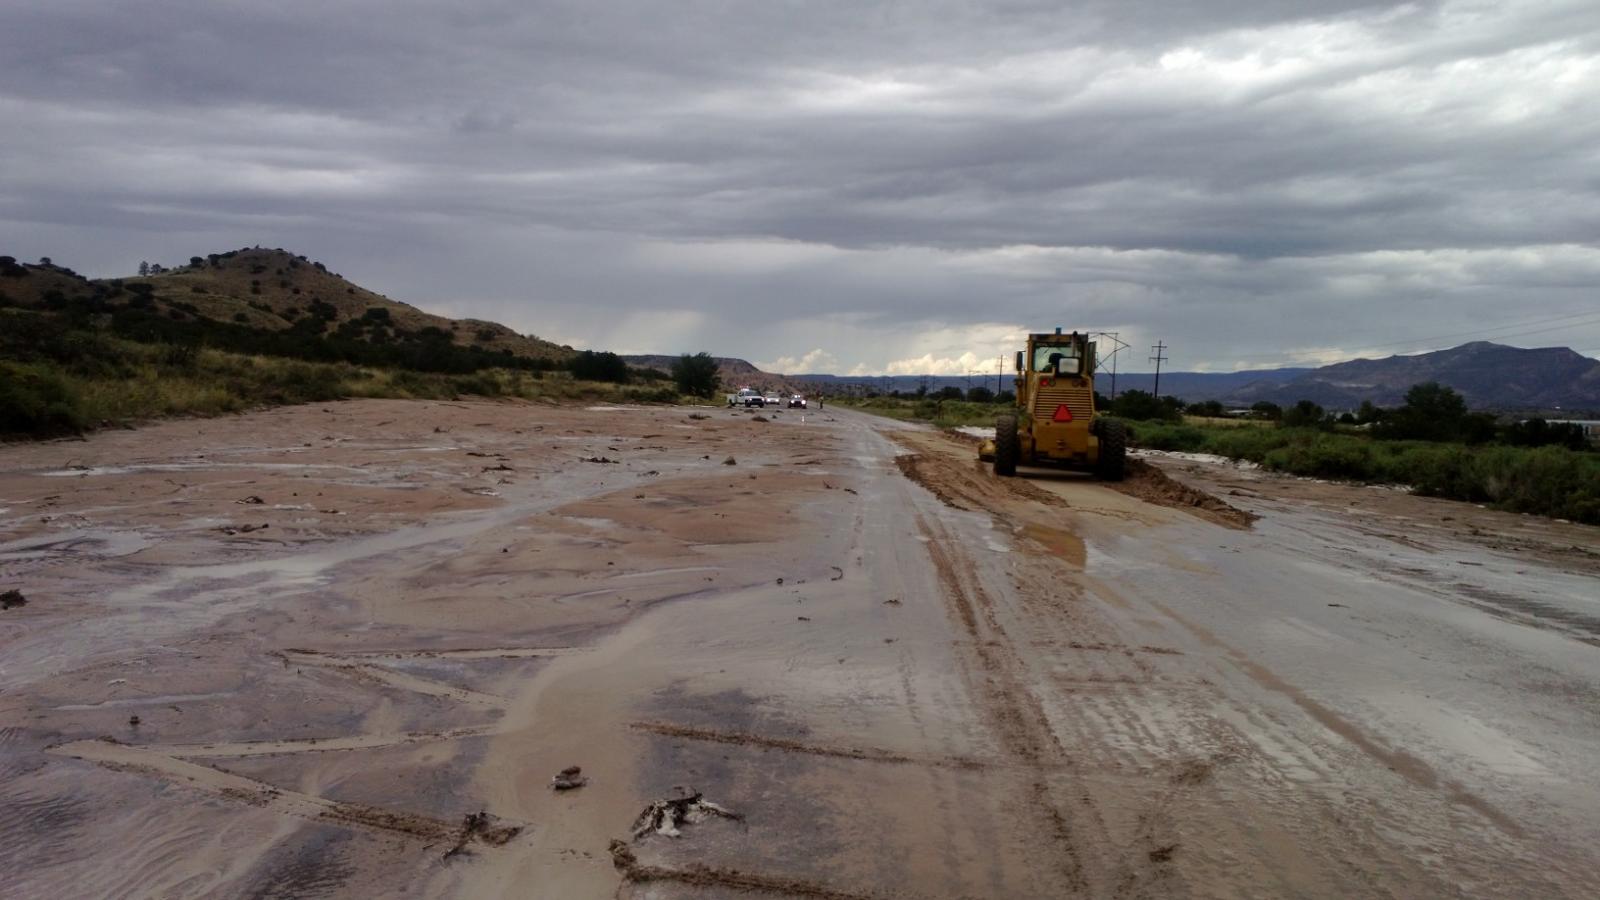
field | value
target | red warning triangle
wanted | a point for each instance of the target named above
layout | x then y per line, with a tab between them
1062	414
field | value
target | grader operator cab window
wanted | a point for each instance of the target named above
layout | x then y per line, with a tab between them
1057	360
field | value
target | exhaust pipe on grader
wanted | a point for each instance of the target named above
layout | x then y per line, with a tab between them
1055	422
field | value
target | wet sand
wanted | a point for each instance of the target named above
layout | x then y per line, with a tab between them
286	653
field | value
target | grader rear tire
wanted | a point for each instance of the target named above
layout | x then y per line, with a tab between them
1113	461
1007	446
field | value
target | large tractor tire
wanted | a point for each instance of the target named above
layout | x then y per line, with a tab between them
1113	461
1007	446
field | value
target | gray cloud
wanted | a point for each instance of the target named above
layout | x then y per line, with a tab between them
1255	182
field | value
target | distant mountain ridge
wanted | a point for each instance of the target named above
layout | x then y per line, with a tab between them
1488	376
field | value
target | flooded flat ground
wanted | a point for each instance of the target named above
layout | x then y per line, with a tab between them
295	653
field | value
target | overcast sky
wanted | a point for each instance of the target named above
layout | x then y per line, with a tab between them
844	186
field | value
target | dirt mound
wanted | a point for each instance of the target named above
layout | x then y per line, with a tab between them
1152	485
968	486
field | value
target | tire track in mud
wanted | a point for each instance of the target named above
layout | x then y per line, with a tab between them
703	876
363	668
249	792
1040	617
1018	720
865	754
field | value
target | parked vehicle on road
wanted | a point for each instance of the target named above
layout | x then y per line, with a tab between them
797	402
746	398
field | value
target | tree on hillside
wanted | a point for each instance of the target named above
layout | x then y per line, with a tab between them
696	375
948	392
980	395
144	268
1209	408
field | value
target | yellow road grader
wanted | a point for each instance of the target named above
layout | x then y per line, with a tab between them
1055	421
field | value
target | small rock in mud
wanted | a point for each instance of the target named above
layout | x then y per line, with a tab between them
665	817
1162	854
730	461
802	618
622	855
758	418
838	574
892	601
12	599
133	721
601	459
570	778
251	500
698	416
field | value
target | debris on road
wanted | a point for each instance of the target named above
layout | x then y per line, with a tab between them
838	574
568	779
601	459
480	826
251	500
243	529
730	461
12	599
665	817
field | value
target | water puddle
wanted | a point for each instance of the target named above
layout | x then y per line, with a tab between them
96	543
1064	544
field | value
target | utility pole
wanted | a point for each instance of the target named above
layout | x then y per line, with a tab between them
1158	359
999	372
1118	346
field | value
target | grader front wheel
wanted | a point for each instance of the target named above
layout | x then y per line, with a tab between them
1112	463
1007	446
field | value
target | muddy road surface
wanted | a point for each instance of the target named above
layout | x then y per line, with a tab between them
343	650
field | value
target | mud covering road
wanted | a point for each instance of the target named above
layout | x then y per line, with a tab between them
295	653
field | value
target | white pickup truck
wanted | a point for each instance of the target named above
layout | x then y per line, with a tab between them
746	397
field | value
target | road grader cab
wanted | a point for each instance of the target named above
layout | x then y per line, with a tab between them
1055	422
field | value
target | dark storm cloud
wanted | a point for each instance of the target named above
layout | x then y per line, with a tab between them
904	182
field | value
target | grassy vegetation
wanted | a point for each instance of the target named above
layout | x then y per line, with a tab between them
1551	481
943	413
56	379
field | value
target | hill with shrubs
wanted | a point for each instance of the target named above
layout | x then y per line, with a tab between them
251	327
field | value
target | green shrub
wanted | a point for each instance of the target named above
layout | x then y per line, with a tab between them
35	401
